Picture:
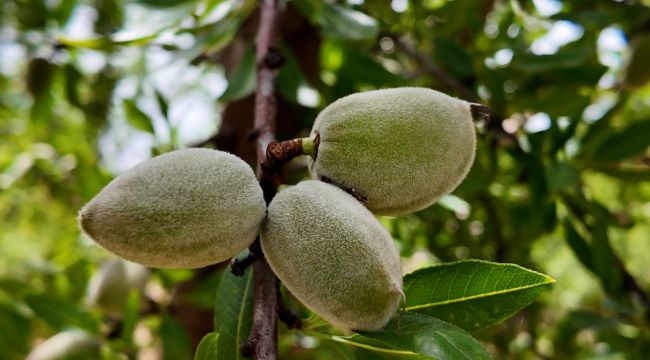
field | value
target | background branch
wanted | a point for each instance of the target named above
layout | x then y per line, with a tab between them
426	65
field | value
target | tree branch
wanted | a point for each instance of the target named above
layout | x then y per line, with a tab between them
426	65
263	336
266	55
493	121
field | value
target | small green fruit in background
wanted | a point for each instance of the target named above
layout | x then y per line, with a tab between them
110	286
67	345
184	209
401	148
333	255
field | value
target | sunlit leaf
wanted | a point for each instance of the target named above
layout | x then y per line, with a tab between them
472	294
208	347
137	117
162	104
243	80
339	22
104	43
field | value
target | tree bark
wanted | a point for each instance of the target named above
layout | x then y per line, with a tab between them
263	337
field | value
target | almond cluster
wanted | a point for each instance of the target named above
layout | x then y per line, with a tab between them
398	149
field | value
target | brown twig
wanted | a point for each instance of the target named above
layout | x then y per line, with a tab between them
493	122
285	314
238	266
267	65
263	337
437	72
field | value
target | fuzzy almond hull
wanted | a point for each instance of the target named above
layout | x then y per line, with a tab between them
401	148
185	209
333	255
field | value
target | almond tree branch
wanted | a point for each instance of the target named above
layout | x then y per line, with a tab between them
268	61
494	121
263	337
426	65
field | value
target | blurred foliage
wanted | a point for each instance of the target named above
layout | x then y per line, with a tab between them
561	182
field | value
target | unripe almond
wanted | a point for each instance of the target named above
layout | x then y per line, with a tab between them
184	209
333	255
110	286
400	148
67	345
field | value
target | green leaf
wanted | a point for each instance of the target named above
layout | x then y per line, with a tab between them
632	175
131	315
633	140
13	329
561	176
215	29
596	254
106	353
339	22
360	69
233	312
578	244
373	349
243	80
104	43
291	79
144	24
411	334
453	56
566	57
137	117
604	260
61	314
290	76
309	9
162	104
174	338
208	347
40	74
330	349
472	294
163	3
